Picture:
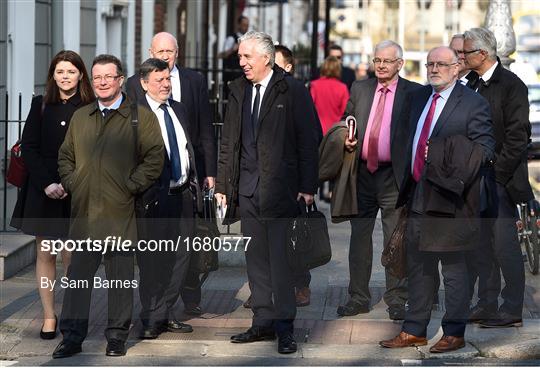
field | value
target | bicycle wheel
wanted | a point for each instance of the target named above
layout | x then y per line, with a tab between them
532	247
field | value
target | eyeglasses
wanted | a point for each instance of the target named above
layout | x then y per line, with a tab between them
108	78
470	52
459	51
437	64
164	52
385	61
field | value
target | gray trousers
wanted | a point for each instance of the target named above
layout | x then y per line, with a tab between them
377	191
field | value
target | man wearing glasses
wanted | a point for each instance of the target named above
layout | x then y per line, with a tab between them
442	109
507	96
466	76
378	104
190	88
98	167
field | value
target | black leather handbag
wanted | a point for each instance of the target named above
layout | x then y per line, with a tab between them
204	261
308	242
146	203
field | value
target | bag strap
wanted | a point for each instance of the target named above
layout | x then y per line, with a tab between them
135	127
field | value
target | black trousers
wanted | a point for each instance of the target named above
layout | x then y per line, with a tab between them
377	191
422	272
162	273
76	306
502	253
270	278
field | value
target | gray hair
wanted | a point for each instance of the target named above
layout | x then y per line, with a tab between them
483	39
455	56
152	65
458	35
265	45
389	43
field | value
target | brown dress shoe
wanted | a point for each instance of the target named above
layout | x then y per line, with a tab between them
303	297
403	340
447	344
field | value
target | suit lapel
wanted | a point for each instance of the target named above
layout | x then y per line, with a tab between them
180	112
269	96
449	107
399	98
366	100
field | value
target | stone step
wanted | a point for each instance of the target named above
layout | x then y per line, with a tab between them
16	252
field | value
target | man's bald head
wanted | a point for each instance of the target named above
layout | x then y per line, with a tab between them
442	67
165	47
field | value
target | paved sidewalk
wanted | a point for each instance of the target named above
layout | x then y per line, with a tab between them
324	338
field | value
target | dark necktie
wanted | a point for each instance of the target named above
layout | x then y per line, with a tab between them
106	112
255	111
481	85
419	160
176	166
374	133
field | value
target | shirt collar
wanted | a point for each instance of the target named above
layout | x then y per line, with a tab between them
174	72
446	93
489	73
114	106
154	105
264	83
391	87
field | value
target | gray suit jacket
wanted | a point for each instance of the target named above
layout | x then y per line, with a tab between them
359	105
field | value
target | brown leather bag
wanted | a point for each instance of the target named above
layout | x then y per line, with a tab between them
394	255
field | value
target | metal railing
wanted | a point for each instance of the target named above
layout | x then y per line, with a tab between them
7	126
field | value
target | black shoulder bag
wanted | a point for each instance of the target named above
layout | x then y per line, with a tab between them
146	203
308	242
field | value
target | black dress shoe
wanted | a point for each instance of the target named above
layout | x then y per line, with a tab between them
178	327
115	348
66	349
352	309
478	314
396	313
502	319
254	334
152	332
49	335
193	310
286	344
247	303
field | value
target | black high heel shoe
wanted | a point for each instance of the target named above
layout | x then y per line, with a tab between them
51	334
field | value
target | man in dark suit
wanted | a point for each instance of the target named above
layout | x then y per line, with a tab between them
442	109
188	87
378	105
508	100
466	76
268	162
163	272
347	74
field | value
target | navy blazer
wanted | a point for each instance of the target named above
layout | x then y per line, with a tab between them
465	113
194	91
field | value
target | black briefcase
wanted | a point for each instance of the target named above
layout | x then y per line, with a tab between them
308	242
205	260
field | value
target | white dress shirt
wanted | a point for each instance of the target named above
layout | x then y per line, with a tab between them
444	95
180	137
176	91
262	90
